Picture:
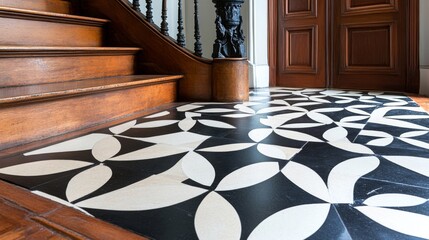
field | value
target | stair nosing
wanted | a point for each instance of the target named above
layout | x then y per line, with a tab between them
18	13
34	51
161	79
57	6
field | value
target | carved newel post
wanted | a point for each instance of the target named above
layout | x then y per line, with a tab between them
230	69
229	35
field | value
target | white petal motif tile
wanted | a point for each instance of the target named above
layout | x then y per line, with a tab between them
151	193
78	144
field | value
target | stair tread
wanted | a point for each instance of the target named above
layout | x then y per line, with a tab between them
65	48
29	51
10	11
39	5
43	91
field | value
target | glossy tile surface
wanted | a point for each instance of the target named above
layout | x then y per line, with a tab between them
288	164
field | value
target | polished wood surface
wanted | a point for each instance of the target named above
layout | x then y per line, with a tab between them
230	80
372	52
35	65
55	6
43	92
272	41
301	43
423	101
369	44
56	77
80	132
162	54
24	215
24	123
413	46
35	28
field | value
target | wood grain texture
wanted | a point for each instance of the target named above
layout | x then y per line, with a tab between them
272	41
298	6
162	55
32	28
25	66
43	92
363	3
368	5
230	80
373	50
24	215
301	47
24	123
413	58
423	101
369	44
56	6
84	131
377	39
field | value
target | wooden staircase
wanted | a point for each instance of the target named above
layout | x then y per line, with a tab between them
57	77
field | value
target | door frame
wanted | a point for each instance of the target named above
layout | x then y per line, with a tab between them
412	25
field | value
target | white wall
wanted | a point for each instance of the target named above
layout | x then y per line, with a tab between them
424	47
258	43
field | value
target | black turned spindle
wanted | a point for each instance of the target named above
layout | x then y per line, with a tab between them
136	5
197	46
164	23
180	36
149	15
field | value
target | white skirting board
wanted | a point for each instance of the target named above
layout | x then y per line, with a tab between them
259	76
424	81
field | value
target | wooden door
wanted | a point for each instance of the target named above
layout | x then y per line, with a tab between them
370	38
301	43
350	44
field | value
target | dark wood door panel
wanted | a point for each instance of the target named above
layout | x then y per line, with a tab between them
356	44
372	40
301	43
299	55
299	8
369	47
365	5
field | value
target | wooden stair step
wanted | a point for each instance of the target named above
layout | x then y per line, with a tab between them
37	65
32	113
28	93
37	28
56	6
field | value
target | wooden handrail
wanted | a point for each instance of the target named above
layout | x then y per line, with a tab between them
160	54
198	51
163	55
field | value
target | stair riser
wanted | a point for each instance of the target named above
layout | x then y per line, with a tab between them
39	120
23	32
35	70
55	6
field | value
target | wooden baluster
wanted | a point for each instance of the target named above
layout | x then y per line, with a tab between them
136	5
149	15
164	23
197	46
180	35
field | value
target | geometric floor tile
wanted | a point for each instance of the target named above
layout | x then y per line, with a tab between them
287	164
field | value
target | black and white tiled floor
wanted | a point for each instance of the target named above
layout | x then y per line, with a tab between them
288	164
